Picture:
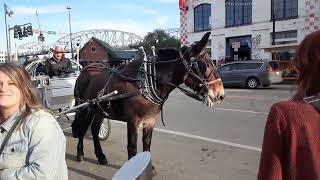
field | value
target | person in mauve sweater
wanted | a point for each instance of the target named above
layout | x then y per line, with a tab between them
291	144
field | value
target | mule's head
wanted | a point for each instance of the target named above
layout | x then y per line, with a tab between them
201	75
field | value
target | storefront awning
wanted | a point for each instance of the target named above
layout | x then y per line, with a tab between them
281	47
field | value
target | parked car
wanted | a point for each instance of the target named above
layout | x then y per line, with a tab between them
251	73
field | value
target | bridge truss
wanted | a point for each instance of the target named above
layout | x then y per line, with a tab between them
117	39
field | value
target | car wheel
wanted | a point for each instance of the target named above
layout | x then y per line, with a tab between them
105	129
252	83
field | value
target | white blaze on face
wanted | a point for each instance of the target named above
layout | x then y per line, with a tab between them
210	98
213	96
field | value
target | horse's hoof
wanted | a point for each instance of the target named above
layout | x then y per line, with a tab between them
80	158
103	161
154	172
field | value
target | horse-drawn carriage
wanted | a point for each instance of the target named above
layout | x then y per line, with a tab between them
57	93
135	93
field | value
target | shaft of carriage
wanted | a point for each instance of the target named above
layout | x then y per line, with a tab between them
86	104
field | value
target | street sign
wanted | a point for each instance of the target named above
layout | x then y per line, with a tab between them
52	32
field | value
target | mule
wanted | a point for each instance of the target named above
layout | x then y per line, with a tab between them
191	66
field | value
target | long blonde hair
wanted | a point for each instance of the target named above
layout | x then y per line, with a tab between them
22	80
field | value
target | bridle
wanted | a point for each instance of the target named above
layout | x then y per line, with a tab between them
204	85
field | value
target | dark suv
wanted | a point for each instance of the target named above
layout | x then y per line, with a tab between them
251	73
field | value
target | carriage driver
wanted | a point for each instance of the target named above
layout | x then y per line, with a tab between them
58	65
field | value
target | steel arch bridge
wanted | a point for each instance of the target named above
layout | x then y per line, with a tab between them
116	39
32	48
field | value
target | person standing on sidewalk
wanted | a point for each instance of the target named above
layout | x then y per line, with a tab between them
291	144
32	144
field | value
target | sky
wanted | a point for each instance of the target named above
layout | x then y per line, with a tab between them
139	17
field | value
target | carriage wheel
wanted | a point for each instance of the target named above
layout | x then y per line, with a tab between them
105	129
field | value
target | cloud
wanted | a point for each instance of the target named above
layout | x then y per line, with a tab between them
165	1
162	20
134	8
24	10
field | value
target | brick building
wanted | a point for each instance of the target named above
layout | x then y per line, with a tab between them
242	29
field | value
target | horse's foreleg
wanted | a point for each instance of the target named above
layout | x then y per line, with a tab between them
80	154
146	141
132	135
95	127
147	137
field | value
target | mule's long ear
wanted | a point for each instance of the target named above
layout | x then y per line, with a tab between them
201	44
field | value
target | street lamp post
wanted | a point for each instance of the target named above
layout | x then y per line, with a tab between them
9	13
71	48
273	21
7	39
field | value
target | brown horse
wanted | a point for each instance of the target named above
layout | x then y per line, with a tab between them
191	66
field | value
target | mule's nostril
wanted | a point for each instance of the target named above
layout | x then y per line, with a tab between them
221	97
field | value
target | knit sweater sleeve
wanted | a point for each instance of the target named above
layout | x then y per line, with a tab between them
271	156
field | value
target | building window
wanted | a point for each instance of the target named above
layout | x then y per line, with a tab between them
238	12
285	9
209	48
93	49
202	17
285	37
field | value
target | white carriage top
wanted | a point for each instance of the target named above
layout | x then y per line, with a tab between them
55	92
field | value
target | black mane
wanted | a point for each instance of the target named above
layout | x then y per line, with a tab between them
165	54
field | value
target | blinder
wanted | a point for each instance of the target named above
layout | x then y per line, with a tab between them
193	65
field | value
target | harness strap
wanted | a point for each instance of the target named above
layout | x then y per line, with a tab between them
161	110
214	81
314	101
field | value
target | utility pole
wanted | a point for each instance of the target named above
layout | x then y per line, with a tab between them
10	13
71	48
273	21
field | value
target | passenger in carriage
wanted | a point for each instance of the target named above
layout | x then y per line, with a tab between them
291	144
58	65
36	147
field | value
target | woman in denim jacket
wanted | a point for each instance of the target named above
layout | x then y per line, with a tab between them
36	148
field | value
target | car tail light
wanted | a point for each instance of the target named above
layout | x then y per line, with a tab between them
269	69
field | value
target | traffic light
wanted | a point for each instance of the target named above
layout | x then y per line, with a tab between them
25	32
15	31
20	32
41	37
29	29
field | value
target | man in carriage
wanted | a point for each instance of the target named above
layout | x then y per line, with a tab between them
58	65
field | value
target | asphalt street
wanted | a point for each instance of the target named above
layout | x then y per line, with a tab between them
197	142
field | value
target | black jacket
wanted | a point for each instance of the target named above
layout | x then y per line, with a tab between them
55	68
